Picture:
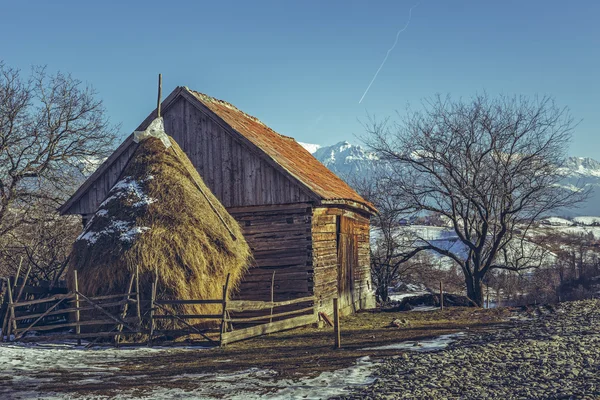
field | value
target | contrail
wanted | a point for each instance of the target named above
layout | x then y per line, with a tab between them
389	51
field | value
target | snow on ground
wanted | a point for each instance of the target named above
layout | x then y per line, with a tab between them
29	367
557	221
580	230
263	384
587	220
400	296
423	307
434	344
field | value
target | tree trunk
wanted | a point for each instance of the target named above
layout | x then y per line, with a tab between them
475	289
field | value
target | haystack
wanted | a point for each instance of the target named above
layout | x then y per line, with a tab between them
161	217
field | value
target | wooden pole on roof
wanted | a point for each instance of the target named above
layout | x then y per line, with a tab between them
159	95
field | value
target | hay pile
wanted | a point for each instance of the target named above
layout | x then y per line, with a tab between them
155	217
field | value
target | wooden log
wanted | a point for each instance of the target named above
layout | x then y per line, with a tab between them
271	316
278	326
77	312
336	323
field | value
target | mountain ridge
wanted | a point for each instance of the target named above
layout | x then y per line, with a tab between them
347	159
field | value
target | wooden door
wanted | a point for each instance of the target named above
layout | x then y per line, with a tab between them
347	248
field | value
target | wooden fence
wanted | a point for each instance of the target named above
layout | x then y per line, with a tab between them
120	315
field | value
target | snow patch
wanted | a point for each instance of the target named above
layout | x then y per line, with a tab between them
435	344
125	230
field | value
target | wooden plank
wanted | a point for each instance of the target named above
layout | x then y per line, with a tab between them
170	302
40	301
267	209
70	310
109	315
74	324
278	326
49	338
271	316
247	305
48	311
188	316
326	318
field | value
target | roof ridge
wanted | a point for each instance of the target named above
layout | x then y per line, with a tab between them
204	96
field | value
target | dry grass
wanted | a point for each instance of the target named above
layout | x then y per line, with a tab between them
186	244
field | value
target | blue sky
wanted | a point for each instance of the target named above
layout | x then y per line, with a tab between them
302	66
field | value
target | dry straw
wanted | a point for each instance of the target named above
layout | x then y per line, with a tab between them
157	218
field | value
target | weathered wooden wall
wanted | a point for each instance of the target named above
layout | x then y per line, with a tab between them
280	239
231	169
91	199
328	257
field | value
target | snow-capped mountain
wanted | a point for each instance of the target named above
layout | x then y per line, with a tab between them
346	159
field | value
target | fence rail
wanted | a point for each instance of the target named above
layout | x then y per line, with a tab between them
112	316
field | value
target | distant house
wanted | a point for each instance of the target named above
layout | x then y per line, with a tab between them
302	222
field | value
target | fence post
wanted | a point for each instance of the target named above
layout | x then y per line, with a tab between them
152	294
224	313
7	313
77	315
272	295
137	294
124	310
12	324
441	296
336	323
488	297
18	273
23	284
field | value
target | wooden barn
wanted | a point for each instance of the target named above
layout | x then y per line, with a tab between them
302	222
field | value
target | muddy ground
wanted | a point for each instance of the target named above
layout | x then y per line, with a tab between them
287	355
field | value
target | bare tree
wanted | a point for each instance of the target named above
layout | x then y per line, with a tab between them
389	236
491	167
51	128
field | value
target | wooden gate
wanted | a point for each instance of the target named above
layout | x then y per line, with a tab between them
347	263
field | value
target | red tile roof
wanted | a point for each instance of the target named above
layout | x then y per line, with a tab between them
285	151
